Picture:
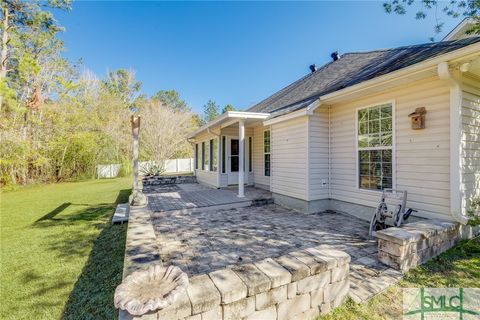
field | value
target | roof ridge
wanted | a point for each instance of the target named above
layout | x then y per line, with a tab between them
285	90
425	44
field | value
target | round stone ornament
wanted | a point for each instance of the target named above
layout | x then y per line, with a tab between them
152	289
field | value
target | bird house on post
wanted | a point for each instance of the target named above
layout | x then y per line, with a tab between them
418	118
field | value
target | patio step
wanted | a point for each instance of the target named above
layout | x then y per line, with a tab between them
121	213
262	202
224	206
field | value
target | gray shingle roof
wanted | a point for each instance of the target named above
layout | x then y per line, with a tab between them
352	68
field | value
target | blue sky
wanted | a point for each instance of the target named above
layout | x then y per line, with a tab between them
230	52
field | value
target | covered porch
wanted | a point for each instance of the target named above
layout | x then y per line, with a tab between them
224	150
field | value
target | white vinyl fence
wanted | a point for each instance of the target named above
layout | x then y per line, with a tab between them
179	165
170	166
108	170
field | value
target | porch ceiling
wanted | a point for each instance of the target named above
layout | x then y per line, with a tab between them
229	118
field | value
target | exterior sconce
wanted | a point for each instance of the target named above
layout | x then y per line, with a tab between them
418	118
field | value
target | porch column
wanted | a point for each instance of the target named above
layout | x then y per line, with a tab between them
241	160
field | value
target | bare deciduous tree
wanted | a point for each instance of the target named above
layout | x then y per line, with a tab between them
163	132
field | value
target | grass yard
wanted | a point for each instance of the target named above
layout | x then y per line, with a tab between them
60	257
458	267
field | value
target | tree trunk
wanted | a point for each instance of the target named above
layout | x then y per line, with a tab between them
3	53
59	174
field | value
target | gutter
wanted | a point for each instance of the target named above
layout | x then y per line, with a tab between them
457	191
308	111
329	152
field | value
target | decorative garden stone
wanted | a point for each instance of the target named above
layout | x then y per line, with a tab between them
149	290
138	199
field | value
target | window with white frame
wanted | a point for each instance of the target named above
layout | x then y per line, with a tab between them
266	152
224	145
374	141
197	158
214	154
205	156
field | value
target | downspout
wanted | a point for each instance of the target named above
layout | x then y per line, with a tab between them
329	153
456	185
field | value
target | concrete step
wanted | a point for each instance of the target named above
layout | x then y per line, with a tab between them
262	202
121	213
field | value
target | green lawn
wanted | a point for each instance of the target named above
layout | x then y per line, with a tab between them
458	267
60	257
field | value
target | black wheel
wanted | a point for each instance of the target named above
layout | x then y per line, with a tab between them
377	221
380	226
382	207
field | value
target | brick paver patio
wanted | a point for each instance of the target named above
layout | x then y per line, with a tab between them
202	241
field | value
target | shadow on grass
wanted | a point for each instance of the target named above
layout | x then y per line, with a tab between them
78	225
55	211
92	295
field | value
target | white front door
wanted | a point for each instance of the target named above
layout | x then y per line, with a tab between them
232	161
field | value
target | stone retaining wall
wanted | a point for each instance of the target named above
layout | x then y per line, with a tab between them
416	243
300	285
161	180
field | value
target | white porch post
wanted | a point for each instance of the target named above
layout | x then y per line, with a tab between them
219	160
241	155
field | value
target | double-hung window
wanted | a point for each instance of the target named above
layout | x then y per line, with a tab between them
266	152
375	141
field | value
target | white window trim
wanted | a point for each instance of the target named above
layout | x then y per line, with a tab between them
264	153
212	153
393	148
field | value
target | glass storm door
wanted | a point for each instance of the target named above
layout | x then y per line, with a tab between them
233	163
234	155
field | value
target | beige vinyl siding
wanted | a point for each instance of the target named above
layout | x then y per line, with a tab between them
422	157
289	141
207	177
204	176
233	131
318	159
470	136
257	158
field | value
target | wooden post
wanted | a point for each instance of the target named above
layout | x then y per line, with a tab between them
137	197
135	120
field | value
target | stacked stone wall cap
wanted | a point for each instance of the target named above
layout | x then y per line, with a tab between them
399	235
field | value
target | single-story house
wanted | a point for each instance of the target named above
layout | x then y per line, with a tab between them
406	118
